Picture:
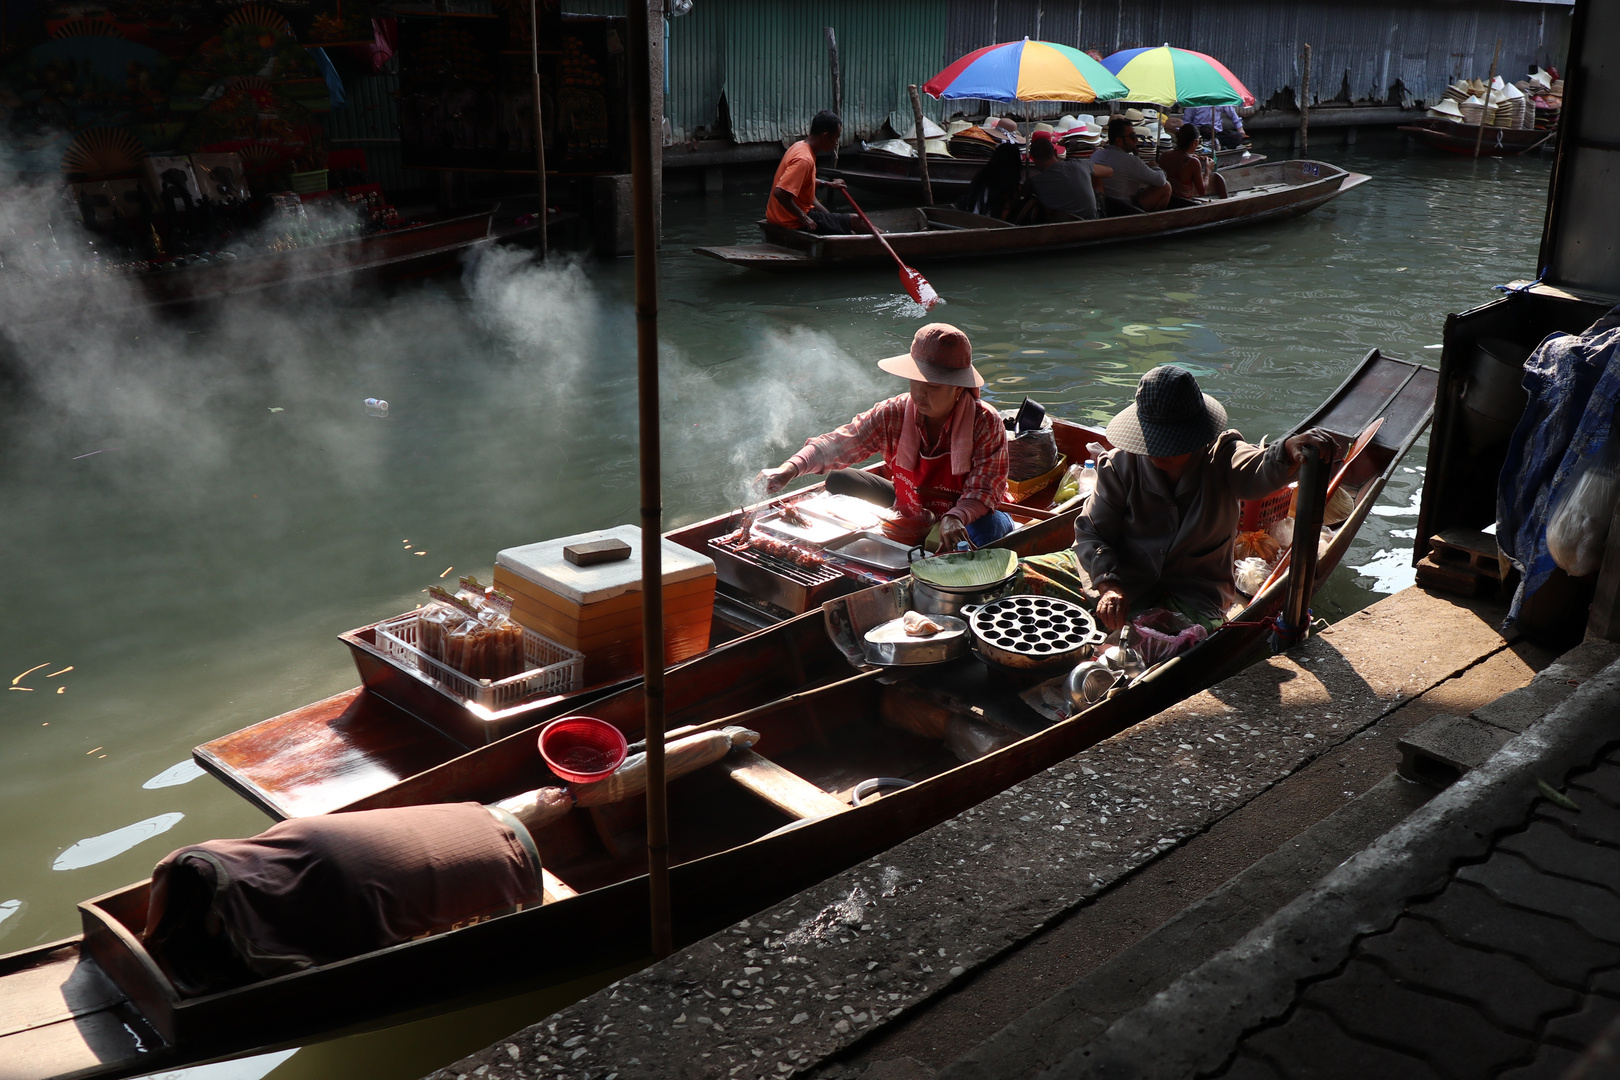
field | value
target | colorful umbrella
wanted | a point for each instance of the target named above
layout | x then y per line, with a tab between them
1026	71
1166	76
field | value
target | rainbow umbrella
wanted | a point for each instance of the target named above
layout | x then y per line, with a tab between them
1026	71
1166	76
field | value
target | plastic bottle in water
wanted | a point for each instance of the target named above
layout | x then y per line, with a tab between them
1088	479
376	407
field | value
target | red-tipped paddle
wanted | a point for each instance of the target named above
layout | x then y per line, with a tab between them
916	285
1360	444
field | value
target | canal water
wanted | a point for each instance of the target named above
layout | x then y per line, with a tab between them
192	509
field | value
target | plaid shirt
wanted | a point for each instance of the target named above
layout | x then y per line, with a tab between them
877	431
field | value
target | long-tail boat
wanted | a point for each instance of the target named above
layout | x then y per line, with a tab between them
1456	137
1268	192
746	831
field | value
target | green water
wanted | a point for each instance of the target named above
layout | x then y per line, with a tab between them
191	509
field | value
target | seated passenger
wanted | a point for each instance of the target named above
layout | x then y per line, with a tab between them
1190	173
995	188
1159	528
1065	188
1135	185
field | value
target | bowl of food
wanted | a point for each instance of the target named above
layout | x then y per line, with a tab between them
582	749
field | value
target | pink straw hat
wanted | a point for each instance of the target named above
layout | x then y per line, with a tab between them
940	353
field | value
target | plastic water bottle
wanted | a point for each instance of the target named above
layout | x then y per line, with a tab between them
376	407
1088	479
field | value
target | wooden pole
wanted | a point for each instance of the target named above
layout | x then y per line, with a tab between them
1305	104
1480	138
652	511
837	76
922	147
539	124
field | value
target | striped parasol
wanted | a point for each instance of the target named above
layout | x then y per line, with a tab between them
1166	77
1026	71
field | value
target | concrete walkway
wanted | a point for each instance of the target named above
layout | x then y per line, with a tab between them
818	983
1479	938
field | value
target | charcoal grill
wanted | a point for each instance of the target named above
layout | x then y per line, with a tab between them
775	580
1032	633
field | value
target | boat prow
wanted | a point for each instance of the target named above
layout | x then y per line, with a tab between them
760	256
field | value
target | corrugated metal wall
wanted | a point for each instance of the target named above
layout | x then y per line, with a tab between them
1359	51
777	73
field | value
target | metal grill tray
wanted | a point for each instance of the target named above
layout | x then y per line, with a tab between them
1036	626
878	552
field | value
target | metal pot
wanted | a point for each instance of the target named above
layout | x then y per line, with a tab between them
942	600
1032	633
1089	683
900	650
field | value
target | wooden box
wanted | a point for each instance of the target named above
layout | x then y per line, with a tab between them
597	609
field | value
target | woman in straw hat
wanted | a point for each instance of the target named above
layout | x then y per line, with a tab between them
946	449
1158	529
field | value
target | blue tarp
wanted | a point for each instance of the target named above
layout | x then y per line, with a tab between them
1574	382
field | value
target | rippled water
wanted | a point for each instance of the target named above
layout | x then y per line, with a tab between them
194	509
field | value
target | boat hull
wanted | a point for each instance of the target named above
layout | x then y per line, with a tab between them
1269	192
1458	138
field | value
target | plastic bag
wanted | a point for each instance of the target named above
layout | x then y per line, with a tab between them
1250	574
1154	646
1578	527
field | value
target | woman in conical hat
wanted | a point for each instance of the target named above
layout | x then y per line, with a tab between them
945	448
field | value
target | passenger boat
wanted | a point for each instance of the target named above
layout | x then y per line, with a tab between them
746	831
1268	192
1459	138
888	174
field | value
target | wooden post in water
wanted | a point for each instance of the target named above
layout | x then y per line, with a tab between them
922	147
1305	104
539	123
652	510
837	76
1480	138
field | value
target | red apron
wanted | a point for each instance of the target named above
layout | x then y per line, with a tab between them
931	485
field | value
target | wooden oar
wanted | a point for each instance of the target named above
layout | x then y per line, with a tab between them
915	284
1361	443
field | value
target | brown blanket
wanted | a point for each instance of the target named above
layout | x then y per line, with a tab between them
313	890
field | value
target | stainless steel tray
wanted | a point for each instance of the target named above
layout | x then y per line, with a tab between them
878	552
819	531
887	646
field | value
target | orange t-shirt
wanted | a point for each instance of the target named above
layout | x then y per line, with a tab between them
796	173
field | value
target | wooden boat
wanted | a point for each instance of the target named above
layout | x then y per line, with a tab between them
900	177
352	745
419	248
746	831
1458	138
1267	192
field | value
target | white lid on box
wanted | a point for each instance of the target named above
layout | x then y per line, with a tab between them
543	564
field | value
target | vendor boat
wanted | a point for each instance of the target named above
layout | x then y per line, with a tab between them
1269	192
417	248
891	174
1456	137
746	831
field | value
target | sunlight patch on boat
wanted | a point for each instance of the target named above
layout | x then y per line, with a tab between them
98	849
182	773
253	1068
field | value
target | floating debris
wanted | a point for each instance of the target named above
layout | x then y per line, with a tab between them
24	689
61	689
29	672
54	674
447	570
277	408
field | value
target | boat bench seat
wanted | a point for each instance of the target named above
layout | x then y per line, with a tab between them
787	791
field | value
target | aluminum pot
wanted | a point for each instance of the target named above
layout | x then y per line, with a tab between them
900	650
941	600
1032	633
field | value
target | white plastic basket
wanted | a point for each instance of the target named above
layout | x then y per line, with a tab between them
554	669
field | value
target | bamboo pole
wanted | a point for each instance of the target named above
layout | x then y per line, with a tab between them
652	512
539	123
922	147
837	80
1305	104
1479	139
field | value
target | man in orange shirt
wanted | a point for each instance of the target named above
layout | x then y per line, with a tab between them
793	202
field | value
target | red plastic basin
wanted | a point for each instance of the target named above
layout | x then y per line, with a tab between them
581	749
